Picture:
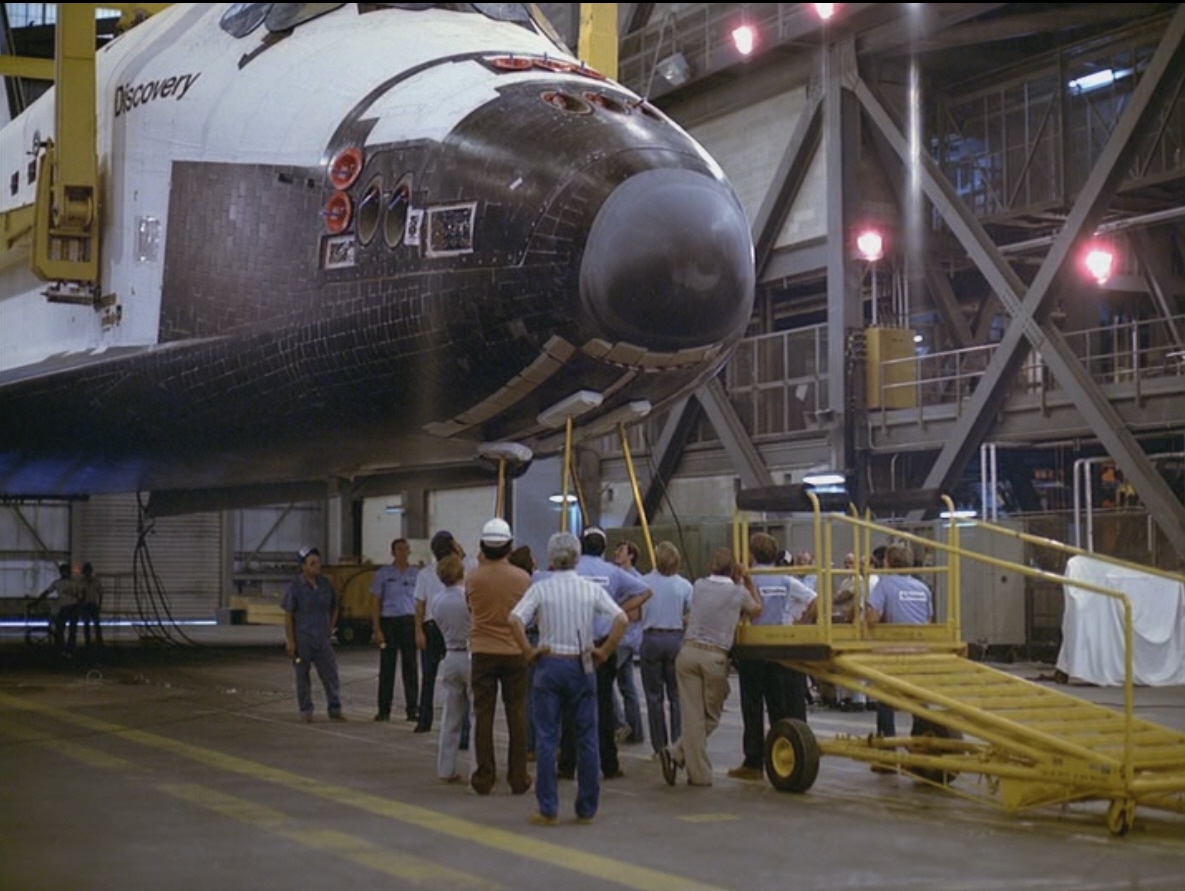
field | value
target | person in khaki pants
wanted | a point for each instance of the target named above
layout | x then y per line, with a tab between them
717	604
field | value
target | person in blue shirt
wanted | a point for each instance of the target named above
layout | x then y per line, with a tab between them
898	599
394	618
627	709
768	687
664	617
310	607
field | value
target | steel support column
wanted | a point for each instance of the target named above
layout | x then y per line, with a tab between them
845	309
1159	77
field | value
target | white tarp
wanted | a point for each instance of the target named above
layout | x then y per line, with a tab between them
1092	626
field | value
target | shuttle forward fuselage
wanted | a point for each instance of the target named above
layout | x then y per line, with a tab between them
372	238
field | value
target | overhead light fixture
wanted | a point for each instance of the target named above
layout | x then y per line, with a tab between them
560	498
965	514
393	509
870	244
674	69
818	479
744	37
1096	80
1099	262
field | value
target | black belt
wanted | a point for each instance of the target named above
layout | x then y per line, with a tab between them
458	649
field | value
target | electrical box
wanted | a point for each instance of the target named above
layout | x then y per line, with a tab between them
891	385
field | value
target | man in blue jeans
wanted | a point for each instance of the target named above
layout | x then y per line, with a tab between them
563	607
627	710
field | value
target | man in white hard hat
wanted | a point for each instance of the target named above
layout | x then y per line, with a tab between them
493	589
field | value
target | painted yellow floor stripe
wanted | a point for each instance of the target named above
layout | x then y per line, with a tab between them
85	754
406	867
533	848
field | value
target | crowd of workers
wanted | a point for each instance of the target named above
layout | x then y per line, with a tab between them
557	645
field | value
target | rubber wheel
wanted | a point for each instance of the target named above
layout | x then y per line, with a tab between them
924	728
352	633
791	756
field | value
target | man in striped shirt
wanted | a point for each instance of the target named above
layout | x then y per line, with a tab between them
563	606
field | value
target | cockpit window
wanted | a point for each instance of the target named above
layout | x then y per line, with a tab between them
243	18
286	16
505	12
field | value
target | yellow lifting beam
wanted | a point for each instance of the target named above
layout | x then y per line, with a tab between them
65	217
66	229
598	45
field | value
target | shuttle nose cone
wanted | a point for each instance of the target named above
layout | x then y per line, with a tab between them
669	262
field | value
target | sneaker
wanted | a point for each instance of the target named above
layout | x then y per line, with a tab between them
454	779
420	728
669	768
337	716
585	821
621	734
613	775
743	772
540	819
382	716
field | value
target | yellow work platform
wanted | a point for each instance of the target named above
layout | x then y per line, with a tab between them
978	732
1030	746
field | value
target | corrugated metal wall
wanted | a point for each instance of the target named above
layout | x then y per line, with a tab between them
179	574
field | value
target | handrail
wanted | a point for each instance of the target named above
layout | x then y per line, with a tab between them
1128	624
864	528
1053	544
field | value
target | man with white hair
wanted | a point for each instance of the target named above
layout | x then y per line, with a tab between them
564	606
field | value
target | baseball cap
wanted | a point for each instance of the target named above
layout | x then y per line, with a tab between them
595	530
306	552
496	532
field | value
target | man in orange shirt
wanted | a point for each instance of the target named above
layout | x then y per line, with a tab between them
493	589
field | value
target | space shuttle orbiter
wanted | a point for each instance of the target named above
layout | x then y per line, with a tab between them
344	236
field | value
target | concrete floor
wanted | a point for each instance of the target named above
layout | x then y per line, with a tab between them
185	768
